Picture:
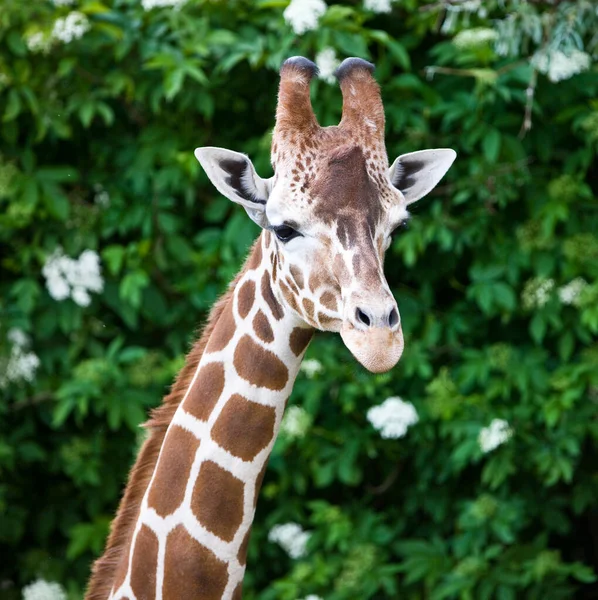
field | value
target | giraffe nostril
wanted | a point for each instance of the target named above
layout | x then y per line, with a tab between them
393	317
362	317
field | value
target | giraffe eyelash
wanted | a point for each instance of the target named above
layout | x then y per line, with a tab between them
285	233
402	225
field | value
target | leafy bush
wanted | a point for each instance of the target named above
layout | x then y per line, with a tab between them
496	279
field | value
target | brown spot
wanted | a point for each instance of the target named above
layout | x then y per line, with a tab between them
262	328
268	296
356	264
347	233
223	331
300	338
245	298
308	305
168	488
237	594
292	285
289	296
340	269
205	391
191	570
274	268
242	554
259	366
143	581
328	300
326	320
255	256
244	428
217	500
314	281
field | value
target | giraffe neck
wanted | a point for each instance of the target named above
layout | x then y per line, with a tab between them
191	535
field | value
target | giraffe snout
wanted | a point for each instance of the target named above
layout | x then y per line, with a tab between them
370	318
365	312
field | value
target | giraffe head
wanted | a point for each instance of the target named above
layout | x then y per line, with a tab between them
331	207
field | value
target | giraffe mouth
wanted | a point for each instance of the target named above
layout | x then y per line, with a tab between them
378	349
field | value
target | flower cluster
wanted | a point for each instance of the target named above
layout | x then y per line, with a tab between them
149	4
571	293
38	42
43	590
558	65
67	277
101	197
311	367
536	292
295	423
393	417
327	62
21	365
497	433
378	6
470	39
291	538
303	15
72	27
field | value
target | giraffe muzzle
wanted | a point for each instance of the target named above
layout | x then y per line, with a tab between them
378	349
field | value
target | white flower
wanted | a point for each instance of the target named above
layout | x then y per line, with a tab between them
311	367
18	337
101	196
312	597
38	42
149	4
43	590
536	292
291	538
303	15
327	63
393	417
497	433
378	6
474	38
557	65
21	365
67	277
72	27
296	422
570	293
63	2
80	296
469	6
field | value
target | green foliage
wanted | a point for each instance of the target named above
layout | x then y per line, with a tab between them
96	154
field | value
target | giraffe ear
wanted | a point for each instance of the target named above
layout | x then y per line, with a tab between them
234	176
418	173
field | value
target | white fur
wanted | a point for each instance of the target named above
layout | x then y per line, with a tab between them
435	165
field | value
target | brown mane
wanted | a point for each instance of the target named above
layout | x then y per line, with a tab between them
106	568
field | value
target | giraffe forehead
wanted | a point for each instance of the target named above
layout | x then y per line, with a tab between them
340	182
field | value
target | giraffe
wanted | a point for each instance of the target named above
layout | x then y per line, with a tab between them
327	216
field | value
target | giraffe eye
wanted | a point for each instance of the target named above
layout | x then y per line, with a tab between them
400	227
285	233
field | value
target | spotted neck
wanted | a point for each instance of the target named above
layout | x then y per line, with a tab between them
191	535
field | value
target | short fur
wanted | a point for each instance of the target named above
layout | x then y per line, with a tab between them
104	569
